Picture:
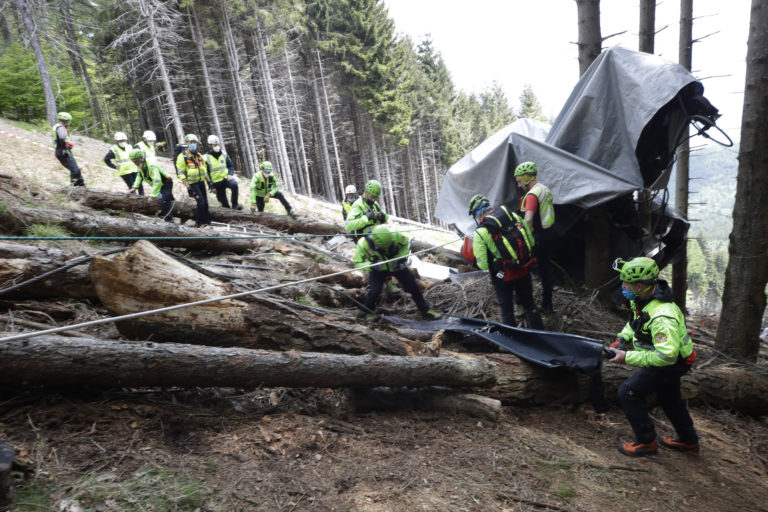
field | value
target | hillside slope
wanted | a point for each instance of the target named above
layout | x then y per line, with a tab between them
212	449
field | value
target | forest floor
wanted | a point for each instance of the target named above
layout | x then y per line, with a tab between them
222	449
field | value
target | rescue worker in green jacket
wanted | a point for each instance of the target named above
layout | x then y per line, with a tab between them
193	174
366	212
63	149
118	158
265	185
664	352
148	145
158	178
221	168
510	276
539	211
380	245
350	196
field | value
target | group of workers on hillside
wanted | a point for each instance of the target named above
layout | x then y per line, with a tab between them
137	164
506	242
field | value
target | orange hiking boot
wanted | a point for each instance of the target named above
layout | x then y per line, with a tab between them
676	444
635	449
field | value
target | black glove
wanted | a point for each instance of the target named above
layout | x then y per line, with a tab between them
210	187
191	192
381	217
370	214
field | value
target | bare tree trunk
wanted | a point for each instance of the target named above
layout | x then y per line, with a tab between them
42	65
648	25
327	172
198	40
333	191
424	174
299	137
685	58
747	272
590	39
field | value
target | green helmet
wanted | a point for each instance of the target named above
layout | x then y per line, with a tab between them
191	137
266	165
636	270
525	168
373	187
382	237
65	116
478	204
136	154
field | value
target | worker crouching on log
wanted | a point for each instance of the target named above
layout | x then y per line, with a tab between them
381	245
664	351
162	183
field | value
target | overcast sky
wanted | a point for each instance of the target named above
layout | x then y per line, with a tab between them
515	42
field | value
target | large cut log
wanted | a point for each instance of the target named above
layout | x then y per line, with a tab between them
54	360
82	224
143	278
425	399
122	202
20	263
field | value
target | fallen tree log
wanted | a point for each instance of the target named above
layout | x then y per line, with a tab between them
20	263
54	360
83	224
425	399
143	278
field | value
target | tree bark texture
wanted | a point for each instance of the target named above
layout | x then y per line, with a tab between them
86	361
590	39
647	25
747	272
6	482
83	224
425	399
143	278
22	262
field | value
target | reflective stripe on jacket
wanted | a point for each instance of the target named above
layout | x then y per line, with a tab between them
357	222
149	151
122	159
192	168
661	338
366	254
262	184
152	174
545	214
217	167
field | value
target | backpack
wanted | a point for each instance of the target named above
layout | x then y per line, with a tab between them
512	237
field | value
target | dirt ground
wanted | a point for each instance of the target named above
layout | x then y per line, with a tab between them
215	449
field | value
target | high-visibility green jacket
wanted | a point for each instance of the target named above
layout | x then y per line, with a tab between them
545	214
149	151
484	246
191	167
346	205
357	222
219	167
152	174
366	253
263	184
657	331
122	159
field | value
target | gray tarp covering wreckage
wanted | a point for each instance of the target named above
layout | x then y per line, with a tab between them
616	134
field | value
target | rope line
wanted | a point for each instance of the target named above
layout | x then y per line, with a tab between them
207	301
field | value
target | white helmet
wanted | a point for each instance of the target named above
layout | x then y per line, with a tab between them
350	189
213	140
149	135
120	136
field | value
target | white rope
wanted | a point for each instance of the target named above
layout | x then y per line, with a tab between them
28	335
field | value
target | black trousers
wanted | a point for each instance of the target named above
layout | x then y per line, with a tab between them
665	382
505	294
130	179
221	187
406	279
166	212
200	195
68	161
543	252
279	196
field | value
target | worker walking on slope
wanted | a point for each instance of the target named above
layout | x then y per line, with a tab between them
221	169
118	158
503	245
366	212
350	196
160	180
265	185
539	213
381	245
63	149
664	351
193	174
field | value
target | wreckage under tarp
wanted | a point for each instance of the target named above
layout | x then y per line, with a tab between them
616	135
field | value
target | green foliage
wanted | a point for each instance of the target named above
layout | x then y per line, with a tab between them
21	92
529	105
46	230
